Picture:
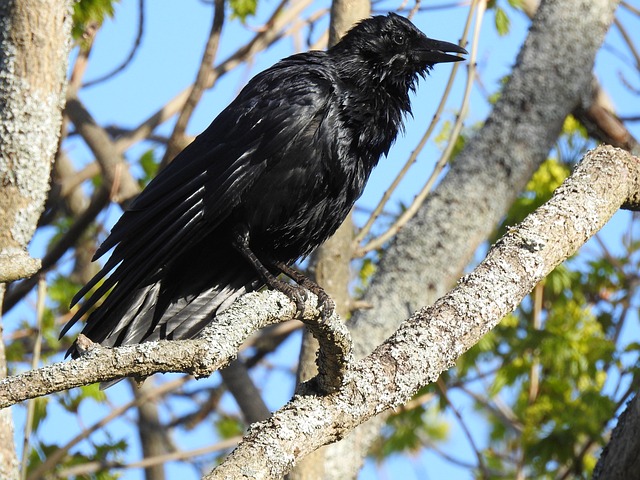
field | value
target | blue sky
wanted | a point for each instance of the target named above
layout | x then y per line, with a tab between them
167	62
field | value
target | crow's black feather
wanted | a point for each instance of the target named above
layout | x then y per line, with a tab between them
270	179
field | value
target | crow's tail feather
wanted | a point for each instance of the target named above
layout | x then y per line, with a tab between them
175	303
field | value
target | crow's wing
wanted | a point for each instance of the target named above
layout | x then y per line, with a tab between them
207	180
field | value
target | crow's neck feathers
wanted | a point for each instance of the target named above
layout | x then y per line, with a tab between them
379	61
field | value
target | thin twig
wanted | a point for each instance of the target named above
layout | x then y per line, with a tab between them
35	360
132	53
538	295
204	71
265	37
377	211
91	467
481	465
631	8
628	40
444	158
54	458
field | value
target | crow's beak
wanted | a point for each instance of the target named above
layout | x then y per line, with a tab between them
434	51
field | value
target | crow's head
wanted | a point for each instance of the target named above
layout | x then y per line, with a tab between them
391	48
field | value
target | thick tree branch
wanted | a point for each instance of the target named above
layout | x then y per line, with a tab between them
16	265
34	47
433	338
620	457
114	168
217	346
550	78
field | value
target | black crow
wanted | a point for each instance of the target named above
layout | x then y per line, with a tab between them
270	179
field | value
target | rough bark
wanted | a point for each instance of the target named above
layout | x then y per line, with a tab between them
552	77
34	46
215	348
425	344
433	338
619	459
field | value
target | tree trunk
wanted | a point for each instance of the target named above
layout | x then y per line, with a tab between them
34	48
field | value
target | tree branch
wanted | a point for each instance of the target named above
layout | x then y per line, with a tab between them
176	140
17	264
620	457
550	78
433	338
216	347
114	168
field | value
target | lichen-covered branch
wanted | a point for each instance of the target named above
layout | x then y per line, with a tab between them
34	47
433	338
549	80
214	349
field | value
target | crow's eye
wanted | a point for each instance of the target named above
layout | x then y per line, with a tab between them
398	38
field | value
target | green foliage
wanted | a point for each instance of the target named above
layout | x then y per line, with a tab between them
443	137
149	165
563	404
410	430
61	291
229	426
90	12
501	19
546	369
539	189
243	8
39	411
70	400
107	450
502	22
365	274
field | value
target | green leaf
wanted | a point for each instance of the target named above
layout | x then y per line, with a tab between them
243	8
61	291
229	426
39	411
90	12
572	126
409	430
149	166
502	22
443	137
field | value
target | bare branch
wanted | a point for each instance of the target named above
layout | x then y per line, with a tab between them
204	72
91	467
266	36
132	53
111	163
377	211
17	264
411	211
99	200
628	40
56	457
